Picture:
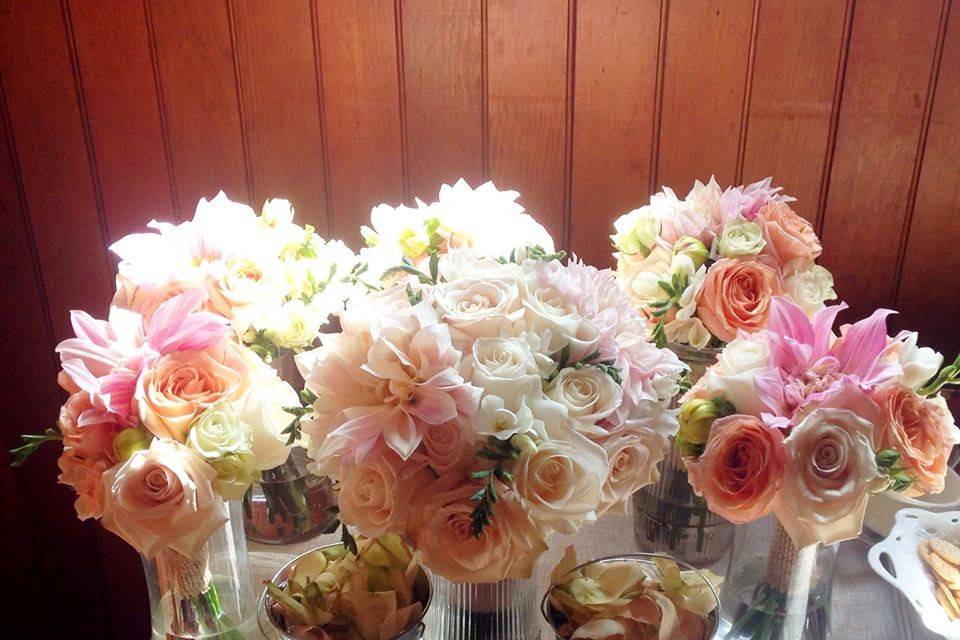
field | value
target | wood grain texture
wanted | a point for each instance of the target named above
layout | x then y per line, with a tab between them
358	58
527	110
705	77
891	55
613	117
443	101
927	296
788	123
113	53
200	99
281	110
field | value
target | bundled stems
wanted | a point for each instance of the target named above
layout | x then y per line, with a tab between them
194	604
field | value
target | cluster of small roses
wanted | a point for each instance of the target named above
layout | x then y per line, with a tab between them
807	424
704	267
276	282
476	407
168	416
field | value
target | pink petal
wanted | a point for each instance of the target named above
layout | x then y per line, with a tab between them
432	405
88	328
860	348
400	433
789	320
177	326
823	328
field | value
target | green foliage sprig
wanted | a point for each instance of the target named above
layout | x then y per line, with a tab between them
502	453
949	375
32	442
293	430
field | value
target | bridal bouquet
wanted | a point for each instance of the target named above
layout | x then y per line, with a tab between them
705	267
807	424
276	282
477	404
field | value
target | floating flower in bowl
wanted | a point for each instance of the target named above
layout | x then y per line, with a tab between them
640	596
368	589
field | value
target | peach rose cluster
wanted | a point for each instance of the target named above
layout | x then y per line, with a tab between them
705	267
168	417
807	424
478	409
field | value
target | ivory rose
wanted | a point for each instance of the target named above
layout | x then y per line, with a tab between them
922	430
808	284
741	468
262	407
789	237
588	393
371	495
632	456
508	367
163	497
829	474
478	306
736	295
507	548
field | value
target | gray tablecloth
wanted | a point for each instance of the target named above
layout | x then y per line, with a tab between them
864	607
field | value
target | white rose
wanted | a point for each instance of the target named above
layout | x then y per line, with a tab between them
808	284
506	367
830	472
919	363
588	393
226	443
741	238
560	481
293	326
262	408
745	354
637	231
479	307
633	455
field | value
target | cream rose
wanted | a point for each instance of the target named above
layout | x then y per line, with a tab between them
741	238
637	231
163	497
293	326
226	443
588	393
632	457
477	307
829	473
178	387
443	447
262	407
507	367
561	480
369	496
808	284
548	310
745	354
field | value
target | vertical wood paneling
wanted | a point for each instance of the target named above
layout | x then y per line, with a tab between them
527	111
891	55
358	58
199	92
797	57
443	77
928	295
61	240
113	52
278	79
705	77
613	114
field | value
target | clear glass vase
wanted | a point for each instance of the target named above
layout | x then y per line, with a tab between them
670	517
504	610
207	596
289	504
774	590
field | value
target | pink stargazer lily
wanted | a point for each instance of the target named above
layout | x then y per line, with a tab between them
807	360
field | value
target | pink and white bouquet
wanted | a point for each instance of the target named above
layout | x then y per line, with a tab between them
484	220
705	267
276	282
479	404
167	417
806	423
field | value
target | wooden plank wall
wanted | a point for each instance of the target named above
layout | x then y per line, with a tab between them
112	113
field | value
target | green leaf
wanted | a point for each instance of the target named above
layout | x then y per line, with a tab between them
349	542
414	297
948	375
32	442
434	266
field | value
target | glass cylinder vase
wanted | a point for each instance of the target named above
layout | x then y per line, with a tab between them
775	590
504	610
670	517
205	596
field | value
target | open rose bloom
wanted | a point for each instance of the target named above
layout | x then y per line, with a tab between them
703	268
275	281
475	404
807	423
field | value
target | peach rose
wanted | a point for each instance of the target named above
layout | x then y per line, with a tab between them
375	494
178	387
788	235
85	476
741	469
507	548
736	295
145	298
922	430
443	448
163	497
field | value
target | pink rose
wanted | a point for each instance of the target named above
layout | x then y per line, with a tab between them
178	387
741	469
375	493
736	295
507	548
163	497
922	430
788	235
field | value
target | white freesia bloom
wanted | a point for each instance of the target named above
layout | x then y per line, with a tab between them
919	363
687	331
494	419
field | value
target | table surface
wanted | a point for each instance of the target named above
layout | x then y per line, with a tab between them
864	606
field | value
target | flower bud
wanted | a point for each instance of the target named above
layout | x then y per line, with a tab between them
129	441
693	248
523	443
887	458
697	415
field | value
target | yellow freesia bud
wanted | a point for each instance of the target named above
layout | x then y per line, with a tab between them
693	248
696	416
413	243
129	441
523	443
